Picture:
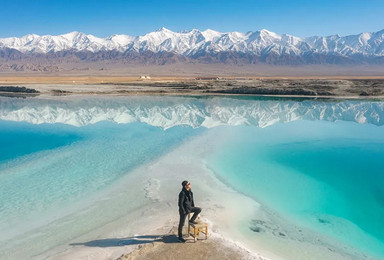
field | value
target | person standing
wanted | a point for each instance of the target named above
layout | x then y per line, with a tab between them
186	206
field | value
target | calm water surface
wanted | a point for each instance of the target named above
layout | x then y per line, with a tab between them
318	163
326	176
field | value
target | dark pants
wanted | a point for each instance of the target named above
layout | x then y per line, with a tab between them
196	211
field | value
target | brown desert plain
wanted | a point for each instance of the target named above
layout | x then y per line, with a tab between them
201	79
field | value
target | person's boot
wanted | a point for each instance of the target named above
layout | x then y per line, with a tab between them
181	239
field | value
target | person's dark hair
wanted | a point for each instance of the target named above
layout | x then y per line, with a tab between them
184	183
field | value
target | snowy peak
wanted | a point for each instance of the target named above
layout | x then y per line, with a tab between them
363	43
163	29
211	35
261	43
268	34
77	41
120	39
72	36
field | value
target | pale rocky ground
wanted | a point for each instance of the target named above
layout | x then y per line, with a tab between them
116	78
168	248
357	87
107	68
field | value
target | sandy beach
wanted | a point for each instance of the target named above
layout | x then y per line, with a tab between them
147	230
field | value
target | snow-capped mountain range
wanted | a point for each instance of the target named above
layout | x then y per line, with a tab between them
258	46
167	112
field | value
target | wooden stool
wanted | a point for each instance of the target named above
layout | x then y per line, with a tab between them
197	229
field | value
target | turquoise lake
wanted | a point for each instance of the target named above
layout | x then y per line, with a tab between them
316	162
325	176
56	166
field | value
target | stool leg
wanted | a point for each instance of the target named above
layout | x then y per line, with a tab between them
189	227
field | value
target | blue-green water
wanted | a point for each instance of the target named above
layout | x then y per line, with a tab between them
51	167
19	139
326	176
318	163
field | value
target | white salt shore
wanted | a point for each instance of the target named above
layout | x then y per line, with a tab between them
149	196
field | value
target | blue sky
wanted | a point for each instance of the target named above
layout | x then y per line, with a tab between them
107	17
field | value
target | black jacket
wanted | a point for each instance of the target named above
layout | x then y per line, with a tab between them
186	201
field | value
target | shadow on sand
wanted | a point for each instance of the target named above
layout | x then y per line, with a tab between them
136	240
